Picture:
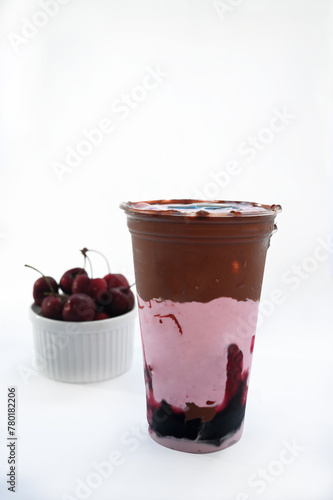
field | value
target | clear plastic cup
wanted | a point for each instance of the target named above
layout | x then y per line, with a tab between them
199	267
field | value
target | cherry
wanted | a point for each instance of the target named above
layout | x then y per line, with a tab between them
81	284
68	277
43	286
119	303
101	315
116	280
52	307
79	307
84	298
131	299
104	298
234	370
97	287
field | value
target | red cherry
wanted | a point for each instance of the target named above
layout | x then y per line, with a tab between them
131	299
104	297
42	286
52	307
234	370
79	307
101	315
116	280
68	277
81	284
118	304
96	288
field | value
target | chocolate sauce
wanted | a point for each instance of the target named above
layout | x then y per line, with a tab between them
173	317
199	257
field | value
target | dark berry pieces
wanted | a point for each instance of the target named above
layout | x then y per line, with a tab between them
252	344
234	370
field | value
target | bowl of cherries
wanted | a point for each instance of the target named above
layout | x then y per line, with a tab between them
83	327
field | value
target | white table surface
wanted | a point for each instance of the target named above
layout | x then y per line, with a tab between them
227	77
67	431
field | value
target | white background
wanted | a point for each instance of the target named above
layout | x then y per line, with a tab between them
227	71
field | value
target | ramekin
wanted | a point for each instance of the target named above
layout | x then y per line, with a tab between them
88	351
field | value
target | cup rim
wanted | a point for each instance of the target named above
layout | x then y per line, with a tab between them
130	209
78	327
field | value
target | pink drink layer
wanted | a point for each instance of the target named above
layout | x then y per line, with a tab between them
186	348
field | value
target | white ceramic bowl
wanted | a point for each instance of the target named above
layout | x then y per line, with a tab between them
87	351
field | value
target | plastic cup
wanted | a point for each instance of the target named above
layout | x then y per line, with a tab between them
199	267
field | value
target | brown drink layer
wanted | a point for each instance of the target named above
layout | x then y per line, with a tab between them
202	256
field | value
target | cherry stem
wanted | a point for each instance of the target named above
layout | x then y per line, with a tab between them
102	255
63	296
45	277
84	253
130	286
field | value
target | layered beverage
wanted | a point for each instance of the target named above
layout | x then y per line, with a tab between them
198	268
